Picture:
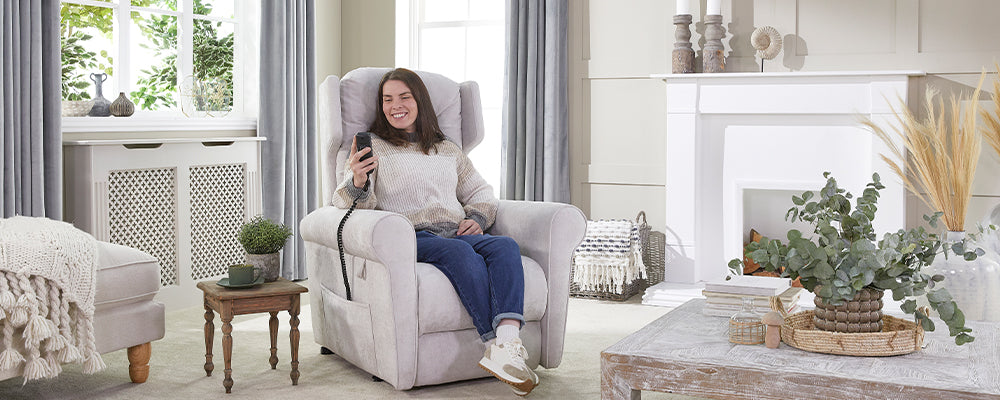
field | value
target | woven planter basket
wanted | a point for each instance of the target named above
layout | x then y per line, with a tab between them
898	336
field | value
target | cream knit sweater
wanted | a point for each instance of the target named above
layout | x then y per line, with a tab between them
435	192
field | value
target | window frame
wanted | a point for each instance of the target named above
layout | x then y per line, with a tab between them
244	111
409	25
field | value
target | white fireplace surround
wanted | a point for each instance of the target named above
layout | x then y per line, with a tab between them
732	132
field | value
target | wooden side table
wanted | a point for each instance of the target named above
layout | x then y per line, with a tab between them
273	297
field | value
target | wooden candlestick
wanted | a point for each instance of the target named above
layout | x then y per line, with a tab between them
683	55
713	58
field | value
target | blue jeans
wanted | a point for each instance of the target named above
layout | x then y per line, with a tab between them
486	272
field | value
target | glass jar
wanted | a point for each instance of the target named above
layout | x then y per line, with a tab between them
974	285
746	327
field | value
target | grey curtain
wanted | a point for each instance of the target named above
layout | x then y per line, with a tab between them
535	158
30	137
288	120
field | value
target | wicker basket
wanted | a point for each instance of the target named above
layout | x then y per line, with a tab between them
76	108
653	245
630	290
898	336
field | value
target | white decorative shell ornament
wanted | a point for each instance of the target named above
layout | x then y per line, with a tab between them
767	41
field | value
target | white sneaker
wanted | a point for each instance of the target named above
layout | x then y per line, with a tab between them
506	362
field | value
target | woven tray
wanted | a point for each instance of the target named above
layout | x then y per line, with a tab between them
898	336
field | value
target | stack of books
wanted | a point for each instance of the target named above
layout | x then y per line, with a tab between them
725	298
670	294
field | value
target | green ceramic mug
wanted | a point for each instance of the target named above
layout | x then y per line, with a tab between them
243	274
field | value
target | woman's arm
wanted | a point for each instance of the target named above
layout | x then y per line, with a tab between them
475	194
357	183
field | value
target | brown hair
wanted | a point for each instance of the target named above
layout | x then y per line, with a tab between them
427	125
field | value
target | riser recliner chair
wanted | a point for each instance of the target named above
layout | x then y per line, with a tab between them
405	324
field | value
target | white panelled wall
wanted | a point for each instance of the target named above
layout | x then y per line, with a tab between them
618	118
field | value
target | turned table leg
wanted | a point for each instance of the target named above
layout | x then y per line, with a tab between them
293	336
273	325
209	338
138	362
227	345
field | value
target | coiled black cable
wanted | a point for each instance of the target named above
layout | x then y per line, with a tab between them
340	241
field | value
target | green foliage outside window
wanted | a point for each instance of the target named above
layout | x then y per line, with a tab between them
77	62
157	86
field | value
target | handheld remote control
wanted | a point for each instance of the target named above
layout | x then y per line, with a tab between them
364	140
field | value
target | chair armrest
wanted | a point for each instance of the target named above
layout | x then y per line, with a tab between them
547	233
384	283
385	237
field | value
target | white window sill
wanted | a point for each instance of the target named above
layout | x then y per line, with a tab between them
155	123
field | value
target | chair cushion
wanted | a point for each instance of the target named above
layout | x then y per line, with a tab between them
439	308
125	275
358	90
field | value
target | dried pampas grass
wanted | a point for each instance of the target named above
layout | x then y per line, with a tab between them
991	119
940	149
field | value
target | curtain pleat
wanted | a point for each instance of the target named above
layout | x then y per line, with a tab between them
31	138
535	157
288	121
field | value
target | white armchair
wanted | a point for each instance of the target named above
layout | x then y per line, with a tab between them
405	324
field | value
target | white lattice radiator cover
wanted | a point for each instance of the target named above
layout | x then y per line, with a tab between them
217	203
142	212
181	200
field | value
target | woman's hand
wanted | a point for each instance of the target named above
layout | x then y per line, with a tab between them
360	169
469	227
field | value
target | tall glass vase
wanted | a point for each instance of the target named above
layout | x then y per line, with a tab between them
974	285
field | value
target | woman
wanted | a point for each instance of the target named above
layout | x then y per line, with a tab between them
415	171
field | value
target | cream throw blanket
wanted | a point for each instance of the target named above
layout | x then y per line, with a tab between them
609	257
47	285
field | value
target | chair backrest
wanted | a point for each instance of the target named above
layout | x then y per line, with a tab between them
347	106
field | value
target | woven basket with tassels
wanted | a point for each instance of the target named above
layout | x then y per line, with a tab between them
898	336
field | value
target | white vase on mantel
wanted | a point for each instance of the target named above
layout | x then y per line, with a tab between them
974	285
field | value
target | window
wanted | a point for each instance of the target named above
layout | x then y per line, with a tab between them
463	40
167	56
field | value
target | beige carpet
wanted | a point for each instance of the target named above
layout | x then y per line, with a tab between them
177	365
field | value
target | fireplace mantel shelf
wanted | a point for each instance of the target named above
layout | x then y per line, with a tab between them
805	74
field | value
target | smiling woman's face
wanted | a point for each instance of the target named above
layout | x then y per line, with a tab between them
399	106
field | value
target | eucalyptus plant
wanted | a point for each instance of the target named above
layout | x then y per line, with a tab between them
845	256
263	236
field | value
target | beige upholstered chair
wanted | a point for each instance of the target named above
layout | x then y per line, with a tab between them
125	314
406	324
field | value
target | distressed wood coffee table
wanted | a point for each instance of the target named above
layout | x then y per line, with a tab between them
272	297
688	353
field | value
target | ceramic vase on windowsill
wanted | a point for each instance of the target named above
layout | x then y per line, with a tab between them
102	107
974	285
122	106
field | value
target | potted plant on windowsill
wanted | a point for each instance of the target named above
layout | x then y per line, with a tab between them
845	262
263	239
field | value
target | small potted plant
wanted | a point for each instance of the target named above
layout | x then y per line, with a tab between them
263	239
845	261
